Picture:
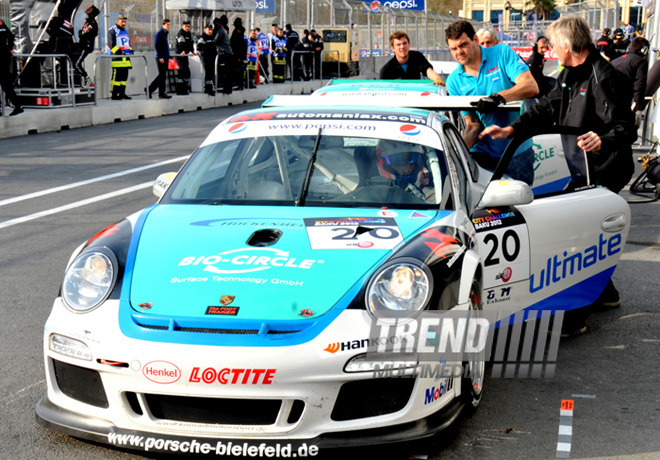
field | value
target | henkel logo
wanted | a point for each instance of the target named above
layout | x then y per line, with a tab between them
161	372
247	260
228	376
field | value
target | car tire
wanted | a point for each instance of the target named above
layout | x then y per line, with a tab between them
474	371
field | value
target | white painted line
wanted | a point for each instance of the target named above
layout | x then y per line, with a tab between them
77	204
89	181
566	429
563	447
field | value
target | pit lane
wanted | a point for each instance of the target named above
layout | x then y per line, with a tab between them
609	373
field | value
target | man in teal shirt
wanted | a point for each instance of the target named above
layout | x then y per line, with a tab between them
500	75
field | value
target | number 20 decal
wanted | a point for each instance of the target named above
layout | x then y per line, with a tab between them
510	247
383	233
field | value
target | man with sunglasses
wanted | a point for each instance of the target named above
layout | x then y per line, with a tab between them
404	163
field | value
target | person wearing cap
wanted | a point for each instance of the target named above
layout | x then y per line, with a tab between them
604	44
119	44
185	46
208	51
620	44
162	46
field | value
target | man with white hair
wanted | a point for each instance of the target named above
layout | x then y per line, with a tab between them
591	95
487	37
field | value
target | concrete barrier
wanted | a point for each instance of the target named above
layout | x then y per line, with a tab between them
34	121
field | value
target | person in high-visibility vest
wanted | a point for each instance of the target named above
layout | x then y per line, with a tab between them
264	53
118	43
252	58
278	45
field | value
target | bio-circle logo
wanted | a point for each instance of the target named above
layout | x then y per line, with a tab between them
410	130
365	244
506	274
375	6
237	128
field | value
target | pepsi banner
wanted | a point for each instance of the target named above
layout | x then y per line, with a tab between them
265	6
376	6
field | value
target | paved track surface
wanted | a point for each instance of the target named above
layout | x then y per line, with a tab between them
610	373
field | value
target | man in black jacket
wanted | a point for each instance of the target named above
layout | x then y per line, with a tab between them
208	51
407	64
87	36
536	62
634	66
185	47
590	94
604	44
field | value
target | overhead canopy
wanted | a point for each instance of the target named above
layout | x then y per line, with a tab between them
213	5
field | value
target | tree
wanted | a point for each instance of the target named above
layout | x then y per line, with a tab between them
542	8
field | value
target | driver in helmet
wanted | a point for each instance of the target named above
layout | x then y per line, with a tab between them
404	163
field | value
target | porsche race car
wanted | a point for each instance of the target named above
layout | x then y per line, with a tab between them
242	314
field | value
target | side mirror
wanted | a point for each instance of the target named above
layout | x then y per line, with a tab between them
162	183
507	192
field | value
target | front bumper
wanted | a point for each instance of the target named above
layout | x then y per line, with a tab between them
93	429
149	396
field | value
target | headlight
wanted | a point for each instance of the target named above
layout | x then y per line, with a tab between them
89	280
399	289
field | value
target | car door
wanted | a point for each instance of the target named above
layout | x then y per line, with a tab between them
559	251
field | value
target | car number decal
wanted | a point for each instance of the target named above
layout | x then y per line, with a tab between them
353	233
504	242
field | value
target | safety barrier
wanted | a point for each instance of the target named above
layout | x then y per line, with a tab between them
97	80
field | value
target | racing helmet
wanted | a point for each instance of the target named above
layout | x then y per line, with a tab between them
401	161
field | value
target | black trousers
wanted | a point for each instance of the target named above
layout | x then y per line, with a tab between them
226	70
7	80
161	80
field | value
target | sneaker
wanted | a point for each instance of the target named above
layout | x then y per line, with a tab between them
164	96
16	111
609	298
573	332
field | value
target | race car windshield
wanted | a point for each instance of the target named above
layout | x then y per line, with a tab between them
347	172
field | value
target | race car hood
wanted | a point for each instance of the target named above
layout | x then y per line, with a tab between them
249	262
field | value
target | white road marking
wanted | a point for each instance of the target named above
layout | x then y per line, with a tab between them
49	191
77	204
19	394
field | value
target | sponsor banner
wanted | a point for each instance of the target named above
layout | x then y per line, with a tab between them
265	6
526	53
353	233
378	6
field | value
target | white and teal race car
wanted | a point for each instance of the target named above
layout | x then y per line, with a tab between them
238	315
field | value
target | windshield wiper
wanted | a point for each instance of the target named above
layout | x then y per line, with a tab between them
310	170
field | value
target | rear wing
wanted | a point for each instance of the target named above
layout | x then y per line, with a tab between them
413	100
